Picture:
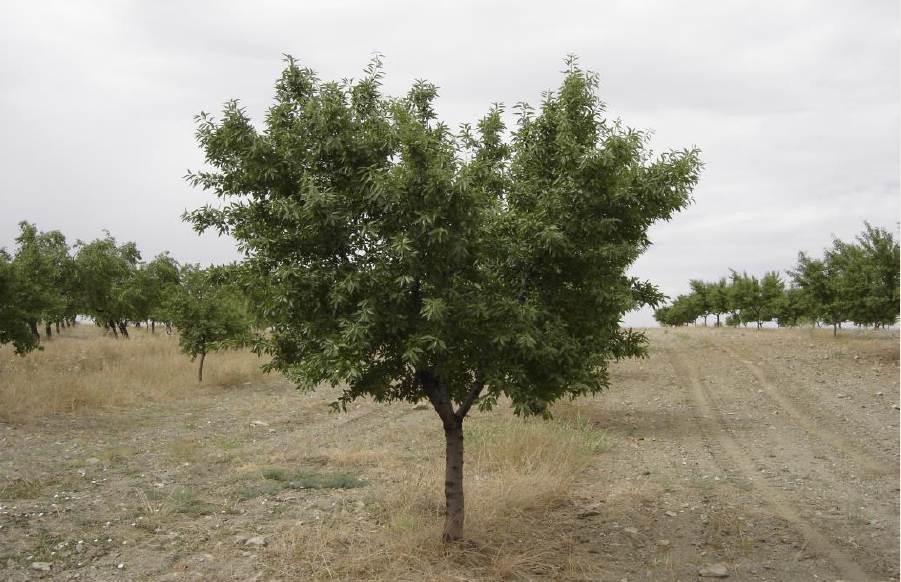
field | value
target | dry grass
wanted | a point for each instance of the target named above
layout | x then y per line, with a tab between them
81	369
519	474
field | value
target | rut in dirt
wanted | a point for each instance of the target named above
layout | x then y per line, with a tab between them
716	427
832	437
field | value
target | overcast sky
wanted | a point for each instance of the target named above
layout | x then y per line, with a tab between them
794	104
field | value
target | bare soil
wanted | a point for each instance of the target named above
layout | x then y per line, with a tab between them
772	452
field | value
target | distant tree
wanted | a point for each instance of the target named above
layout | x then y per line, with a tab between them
700	292
718	298
822	285
402	262
207	314
40	263
873	273
164	273
14	318
790	308
105	273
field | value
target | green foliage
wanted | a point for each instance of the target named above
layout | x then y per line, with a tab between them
207	313
41	266
14	317
402	261
106	273
163	280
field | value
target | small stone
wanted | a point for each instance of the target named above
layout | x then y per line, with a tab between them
92	461
42	566
879	394
717	570
663	543
672	514
259	423
645	472
121	566
631	531
79	547
257	541
588	513
421	406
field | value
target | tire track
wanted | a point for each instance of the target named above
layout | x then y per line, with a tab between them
831	437
717	428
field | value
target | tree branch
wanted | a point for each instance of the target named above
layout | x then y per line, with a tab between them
524	286
471	397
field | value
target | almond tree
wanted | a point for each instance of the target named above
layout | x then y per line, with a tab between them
14	319
404	262
207	314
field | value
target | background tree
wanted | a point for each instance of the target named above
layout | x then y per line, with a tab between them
105	272
405	263
700	292
207	314
790	308
164	273
873	270
14	318
718	297
40	265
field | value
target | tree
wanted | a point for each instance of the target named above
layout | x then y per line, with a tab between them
40	263
821	282
790	308
718	294
105	272
700	292
404	262
207	313
873	270
164	273
14	318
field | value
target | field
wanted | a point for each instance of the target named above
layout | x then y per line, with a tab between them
773	453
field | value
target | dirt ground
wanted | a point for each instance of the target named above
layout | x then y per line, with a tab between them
773	453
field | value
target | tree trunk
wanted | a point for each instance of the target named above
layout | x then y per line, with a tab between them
137	325
48	329
112	326
717	320
705	320
152	327
34	329
200	371
453	483
834	329
57	328
123	327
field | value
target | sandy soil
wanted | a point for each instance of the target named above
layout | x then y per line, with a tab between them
774	453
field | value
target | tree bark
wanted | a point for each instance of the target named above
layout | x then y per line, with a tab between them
123	327
112	326
717	320
834	329
200	371
453	483
34	329
48	329
57	328
152	327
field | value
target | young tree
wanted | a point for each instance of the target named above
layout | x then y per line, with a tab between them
206	313
406	263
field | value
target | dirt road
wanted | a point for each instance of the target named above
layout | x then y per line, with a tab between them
773	453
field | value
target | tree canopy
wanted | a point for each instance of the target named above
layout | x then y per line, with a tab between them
404	261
